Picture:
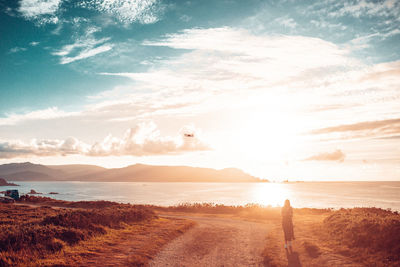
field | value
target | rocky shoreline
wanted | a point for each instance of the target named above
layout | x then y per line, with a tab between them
3	182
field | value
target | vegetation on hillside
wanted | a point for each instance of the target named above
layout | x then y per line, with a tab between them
371	235
30	233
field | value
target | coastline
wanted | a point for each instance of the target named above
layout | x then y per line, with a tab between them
331	195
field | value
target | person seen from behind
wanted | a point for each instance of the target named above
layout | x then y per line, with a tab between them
287	223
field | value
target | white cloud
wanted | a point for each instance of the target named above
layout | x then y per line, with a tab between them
34	43
143	140
336	155
84	47
287	22
291	51
368	8
226	70
41	148
17	49
41	11
185	18
35	8
127	11
45	114
324	24
222	62
225	65
90	52
364	41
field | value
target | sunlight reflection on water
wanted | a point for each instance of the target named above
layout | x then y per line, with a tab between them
270	194
309	194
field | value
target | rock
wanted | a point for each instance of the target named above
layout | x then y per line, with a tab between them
53	193
3	182
33	192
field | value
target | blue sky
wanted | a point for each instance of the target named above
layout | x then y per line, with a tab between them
118	82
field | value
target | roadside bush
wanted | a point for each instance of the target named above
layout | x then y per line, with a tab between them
28	233
372	231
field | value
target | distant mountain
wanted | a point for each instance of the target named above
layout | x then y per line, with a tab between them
13	168
149	173
28	176
75	170
134	173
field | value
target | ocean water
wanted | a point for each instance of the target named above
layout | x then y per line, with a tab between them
308	194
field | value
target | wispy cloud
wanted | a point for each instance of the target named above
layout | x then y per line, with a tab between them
85	53
84	47
225	61
17	49
286	22
185	18
128	11
251	73
366	40
44	114
264	47
34	43
337	155
381	128
222	62
143	140
324	24
368	8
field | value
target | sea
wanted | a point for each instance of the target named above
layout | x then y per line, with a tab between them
334	195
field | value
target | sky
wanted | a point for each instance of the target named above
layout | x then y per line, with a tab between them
297	90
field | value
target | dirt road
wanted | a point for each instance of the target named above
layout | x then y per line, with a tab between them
216	242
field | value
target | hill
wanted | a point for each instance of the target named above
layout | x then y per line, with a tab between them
36	172
135	173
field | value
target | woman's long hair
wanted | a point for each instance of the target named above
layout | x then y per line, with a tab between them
287	203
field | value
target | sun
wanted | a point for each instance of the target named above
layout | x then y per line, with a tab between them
270	135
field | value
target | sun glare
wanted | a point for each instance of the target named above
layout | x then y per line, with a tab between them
268	135
270	194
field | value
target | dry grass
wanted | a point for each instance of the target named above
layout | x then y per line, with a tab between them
368	235
46	201
305	250
347	237
92	233
28	234
250	211
134	245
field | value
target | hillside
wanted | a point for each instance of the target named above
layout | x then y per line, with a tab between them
11	170
149	173
36	172
134	173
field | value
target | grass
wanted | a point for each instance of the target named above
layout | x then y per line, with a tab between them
47	201
350	237
28	234
94	232
134	245
250	211
369	235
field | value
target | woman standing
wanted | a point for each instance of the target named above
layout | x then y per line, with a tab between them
287	223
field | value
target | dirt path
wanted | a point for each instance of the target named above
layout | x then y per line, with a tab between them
216	242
